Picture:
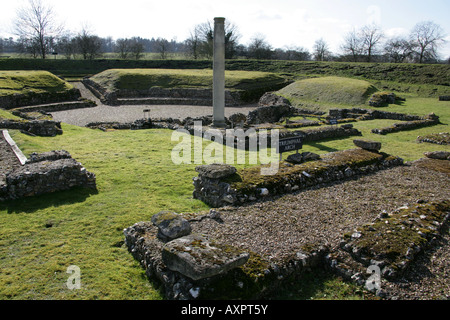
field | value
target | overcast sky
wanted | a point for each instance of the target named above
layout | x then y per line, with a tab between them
282	22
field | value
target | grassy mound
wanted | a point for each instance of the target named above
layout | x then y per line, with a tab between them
27	88
328	91
25	82
143	79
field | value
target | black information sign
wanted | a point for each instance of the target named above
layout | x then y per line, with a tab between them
290	144
333	121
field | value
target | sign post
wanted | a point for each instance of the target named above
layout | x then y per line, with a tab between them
289	144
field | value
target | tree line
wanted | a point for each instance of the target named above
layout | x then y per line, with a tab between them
39	35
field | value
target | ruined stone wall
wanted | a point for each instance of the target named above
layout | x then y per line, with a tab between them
427	121
43	128
125	96
219	187
365	114
30	99
46	173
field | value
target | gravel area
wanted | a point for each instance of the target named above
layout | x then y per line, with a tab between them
125	114
280	227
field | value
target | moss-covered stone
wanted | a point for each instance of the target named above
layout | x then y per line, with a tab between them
397	237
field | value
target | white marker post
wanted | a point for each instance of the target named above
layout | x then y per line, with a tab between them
219	73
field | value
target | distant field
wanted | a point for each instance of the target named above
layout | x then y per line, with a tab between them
23	82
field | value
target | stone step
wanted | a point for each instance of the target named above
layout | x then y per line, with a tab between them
60	106
164	101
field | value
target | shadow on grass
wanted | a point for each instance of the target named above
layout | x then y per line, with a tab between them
323	147
56	199
318	285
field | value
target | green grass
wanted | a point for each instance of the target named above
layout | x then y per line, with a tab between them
402	144
24	82
142	79
42	236
328	92
135	178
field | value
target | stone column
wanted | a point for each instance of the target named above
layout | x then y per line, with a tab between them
219	73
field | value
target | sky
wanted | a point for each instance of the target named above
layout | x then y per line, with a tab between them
283	23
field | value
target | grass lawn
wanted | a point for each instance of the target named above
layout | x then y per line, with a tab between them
42	236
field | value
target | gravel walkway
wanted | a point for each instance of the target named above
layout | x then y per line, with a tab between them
126	114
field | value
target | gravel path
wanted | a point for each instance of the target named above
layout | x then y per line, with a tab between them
125	114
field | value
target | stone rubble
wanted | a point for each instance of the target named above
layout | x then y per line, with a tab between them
46	173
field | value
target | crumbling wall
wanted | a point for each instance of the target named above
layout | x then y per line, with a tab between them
42	128
220	185
46	173
429	120
30	99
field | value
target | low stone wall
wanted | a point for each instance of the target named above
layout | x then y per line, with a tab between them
408	125
258	280
42	128
389	244
46	173
60	106
232	98
270	114
325	133
109	98
141	124
30	99
365	114
403	235
219	186
442	138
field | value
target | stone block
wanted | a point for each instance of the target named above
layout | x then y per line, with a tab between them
171	225
216	171
439	155
197	258
368	145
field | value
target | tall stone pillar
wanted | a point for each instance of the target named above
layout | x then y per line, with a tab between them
219	73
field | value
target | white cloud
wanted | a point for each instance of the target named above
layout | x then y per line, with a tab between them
396	32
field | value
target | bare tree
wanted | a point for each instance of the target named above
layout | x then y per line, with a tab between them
398	50
37	23
88	45
136	48
353	45
259	48
371	36
162	47
292	53
193	43
67	45
321	51
428	37
122	47
201	41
